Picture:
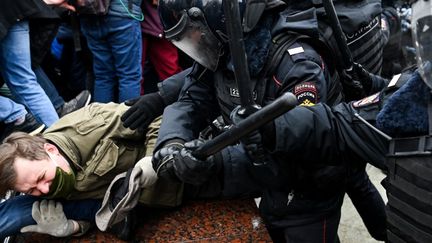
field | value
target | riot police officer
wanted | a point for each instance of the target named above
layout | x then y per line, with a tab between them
299	201
362	131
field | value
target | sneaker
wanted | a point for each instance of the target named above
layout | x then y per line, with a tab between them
81	100
30	126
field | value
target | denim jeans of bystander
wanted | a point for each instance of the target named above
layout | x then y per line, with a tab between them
10	111
16	69
115	43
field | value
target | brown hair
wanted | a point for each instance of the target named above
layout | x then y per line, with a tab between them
18	145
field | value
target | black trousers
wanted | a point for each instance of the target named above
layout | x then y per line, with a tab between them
324	230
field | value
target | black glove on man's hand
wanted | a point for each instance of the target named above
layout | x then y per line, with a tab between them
163	159
253	142
143	111
192	170
372	83
363	76
352	84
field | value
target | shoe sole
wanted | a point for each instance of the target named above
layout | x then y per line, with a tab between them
37	130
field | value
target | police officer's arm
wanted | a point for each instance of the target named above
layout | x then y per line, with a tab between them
303	72
182	121
315	134
192	112
327	135
170	88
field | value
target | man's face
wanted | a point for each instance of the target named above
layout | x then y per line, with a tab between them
34	177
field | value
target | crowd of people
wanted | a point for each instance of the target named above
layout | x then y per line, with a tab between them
76	164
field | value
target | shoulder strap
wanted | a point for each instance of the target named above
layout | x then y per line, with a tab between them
280	45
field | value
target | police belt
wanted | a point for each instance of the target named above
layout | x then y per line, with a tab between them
411	146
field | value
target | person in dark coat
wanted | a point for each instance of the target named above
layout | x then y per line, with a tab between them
300	202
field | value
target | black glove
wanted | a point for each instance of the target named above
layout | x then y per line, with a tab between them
253	142
359	83
192	170
352	84
163	159
372	83
363	76
143	111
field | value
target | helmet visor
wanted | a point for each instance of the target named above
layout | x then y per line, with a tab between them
194	37
422	35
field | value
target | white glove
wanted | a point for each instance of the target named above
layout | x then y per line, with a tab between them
51	220
148	176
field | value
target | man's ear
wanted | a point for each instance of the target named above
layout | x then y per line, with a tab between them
51	148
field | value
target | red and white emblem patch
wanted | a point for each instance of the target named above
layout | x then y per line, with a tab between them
306	94
367	101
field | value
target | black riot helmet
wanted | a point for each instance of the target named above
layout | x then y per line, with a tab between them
197	27
421	24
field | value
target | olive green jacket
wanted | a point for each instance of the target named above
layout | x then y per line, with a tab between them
99	146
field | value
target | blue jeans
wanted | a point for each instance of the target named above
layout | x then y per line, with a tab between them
15	213
15	65
10	111
48	87
115	43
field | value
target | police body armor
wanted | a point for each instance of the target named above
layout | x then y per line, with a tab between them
409	190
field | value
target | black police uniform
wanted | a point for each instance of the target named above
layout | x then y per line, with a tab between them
349	132
366	39
314	199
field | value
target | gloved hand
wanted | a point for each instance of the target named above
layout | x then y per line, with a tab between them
143	111
192	170
363	76
351	80
163	159
252	142
148	176
359	83
372	83
141	174
51	220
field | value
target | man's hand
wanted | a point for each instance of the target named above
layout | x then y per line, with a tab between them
252	142
359	83
163	159
60	3
148	176
192	170
143	111
51	220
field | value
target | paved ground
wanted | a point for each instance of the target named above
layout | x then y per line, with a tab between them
352	229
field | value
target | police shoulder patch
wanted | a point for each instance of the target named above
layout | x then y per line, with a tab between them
306	94
367	101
